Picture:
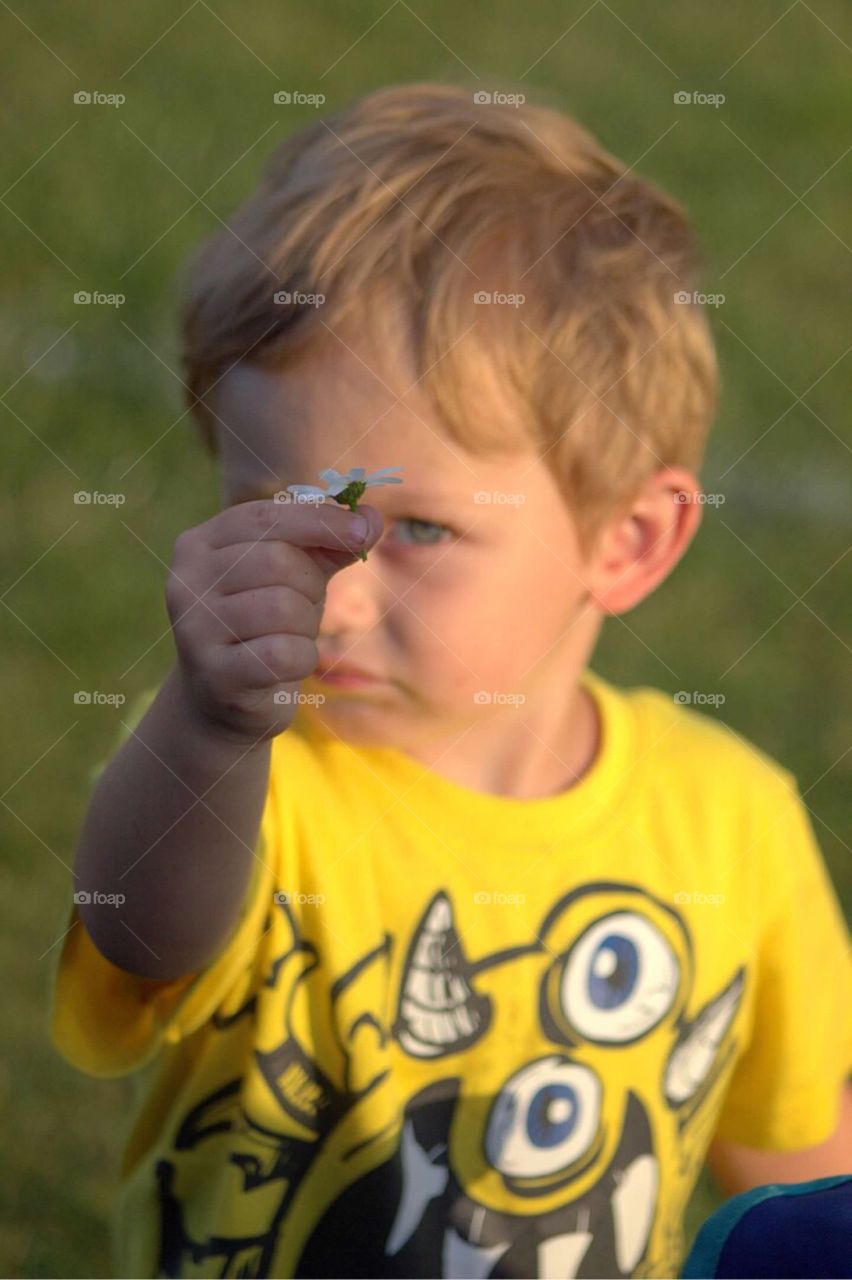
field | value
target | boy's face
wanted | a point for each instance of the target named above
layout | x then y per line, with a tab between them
461	597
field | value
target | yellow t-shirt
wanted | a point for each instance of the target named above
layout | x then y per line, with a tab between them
461	1034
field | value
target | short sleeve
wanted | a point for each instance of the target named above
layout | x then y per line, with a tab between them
107	1022
783	1094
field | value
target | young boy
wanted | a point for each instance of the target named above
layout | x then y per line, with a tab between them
443	955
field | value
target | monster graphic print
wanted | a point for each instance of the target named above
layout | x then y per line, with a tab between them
555	1172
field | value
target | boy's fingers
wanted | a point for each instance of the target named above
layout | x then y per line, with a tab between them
327	525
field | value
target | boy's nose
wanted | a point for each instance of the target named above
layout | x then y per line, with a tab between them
352	602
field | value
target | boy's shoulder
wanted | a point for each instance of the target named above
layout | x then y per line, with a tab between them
684	736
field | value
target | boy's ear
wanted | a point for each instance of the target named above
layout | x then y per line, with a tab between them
641	546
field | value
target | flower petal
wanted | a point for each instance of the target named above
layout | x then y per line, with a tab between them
312	489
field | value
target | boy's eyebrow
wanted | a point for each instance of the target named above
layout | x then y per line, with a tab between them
421	495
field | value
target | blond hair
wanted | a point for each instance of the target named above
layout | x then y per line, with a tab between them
439	197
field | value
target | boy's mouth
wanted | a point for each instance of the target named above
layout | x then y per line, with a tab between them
345	674
347	679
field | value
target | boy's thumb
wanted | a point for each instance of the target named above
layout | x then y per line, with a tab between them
332	562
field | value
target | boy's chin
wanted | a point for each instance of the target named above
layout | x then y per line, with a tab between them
354	717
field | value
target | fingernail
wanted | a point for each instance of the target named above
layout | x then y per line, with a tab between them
359	527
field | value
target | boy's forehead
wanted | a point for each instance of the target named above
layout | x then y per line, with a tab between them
332	409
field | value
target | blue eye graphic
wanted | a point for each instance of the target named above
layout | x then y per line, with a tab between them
619	980
613	971
544	1118
552	1115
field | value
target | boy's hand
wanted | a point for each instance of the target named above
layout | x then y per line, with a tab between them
245	597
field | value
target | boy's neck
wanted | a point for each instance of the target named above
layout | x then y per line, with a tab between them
532	754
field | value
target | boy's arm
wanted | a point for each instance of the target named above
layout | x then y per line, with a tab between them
171	828
167	845
736	1168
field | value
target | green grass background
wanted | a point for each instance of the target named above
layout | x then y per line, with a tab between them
92	196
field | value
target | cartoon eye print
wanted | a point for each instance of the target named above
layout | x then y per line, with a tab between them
543	1119
619	979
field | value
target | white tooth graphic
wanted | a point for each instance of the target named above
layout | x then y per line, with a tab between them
435	990
690	1062
440	917
460	1258
464	1021
560	1256
633	1204
421	1182
438	1007
435	1029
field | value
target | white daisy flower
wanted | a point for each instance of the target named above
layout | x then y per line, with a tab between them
338	481
346	487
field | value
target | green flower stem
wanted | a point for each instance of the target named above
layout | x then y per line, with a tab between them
348	497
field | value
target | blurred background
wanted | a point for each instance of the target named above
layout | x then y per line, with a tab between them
133	130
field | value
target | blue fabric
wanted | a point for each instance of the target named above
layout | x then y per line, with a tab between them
797	1229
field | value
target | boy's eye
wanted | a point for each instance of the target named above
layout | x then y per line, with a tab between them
422	532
